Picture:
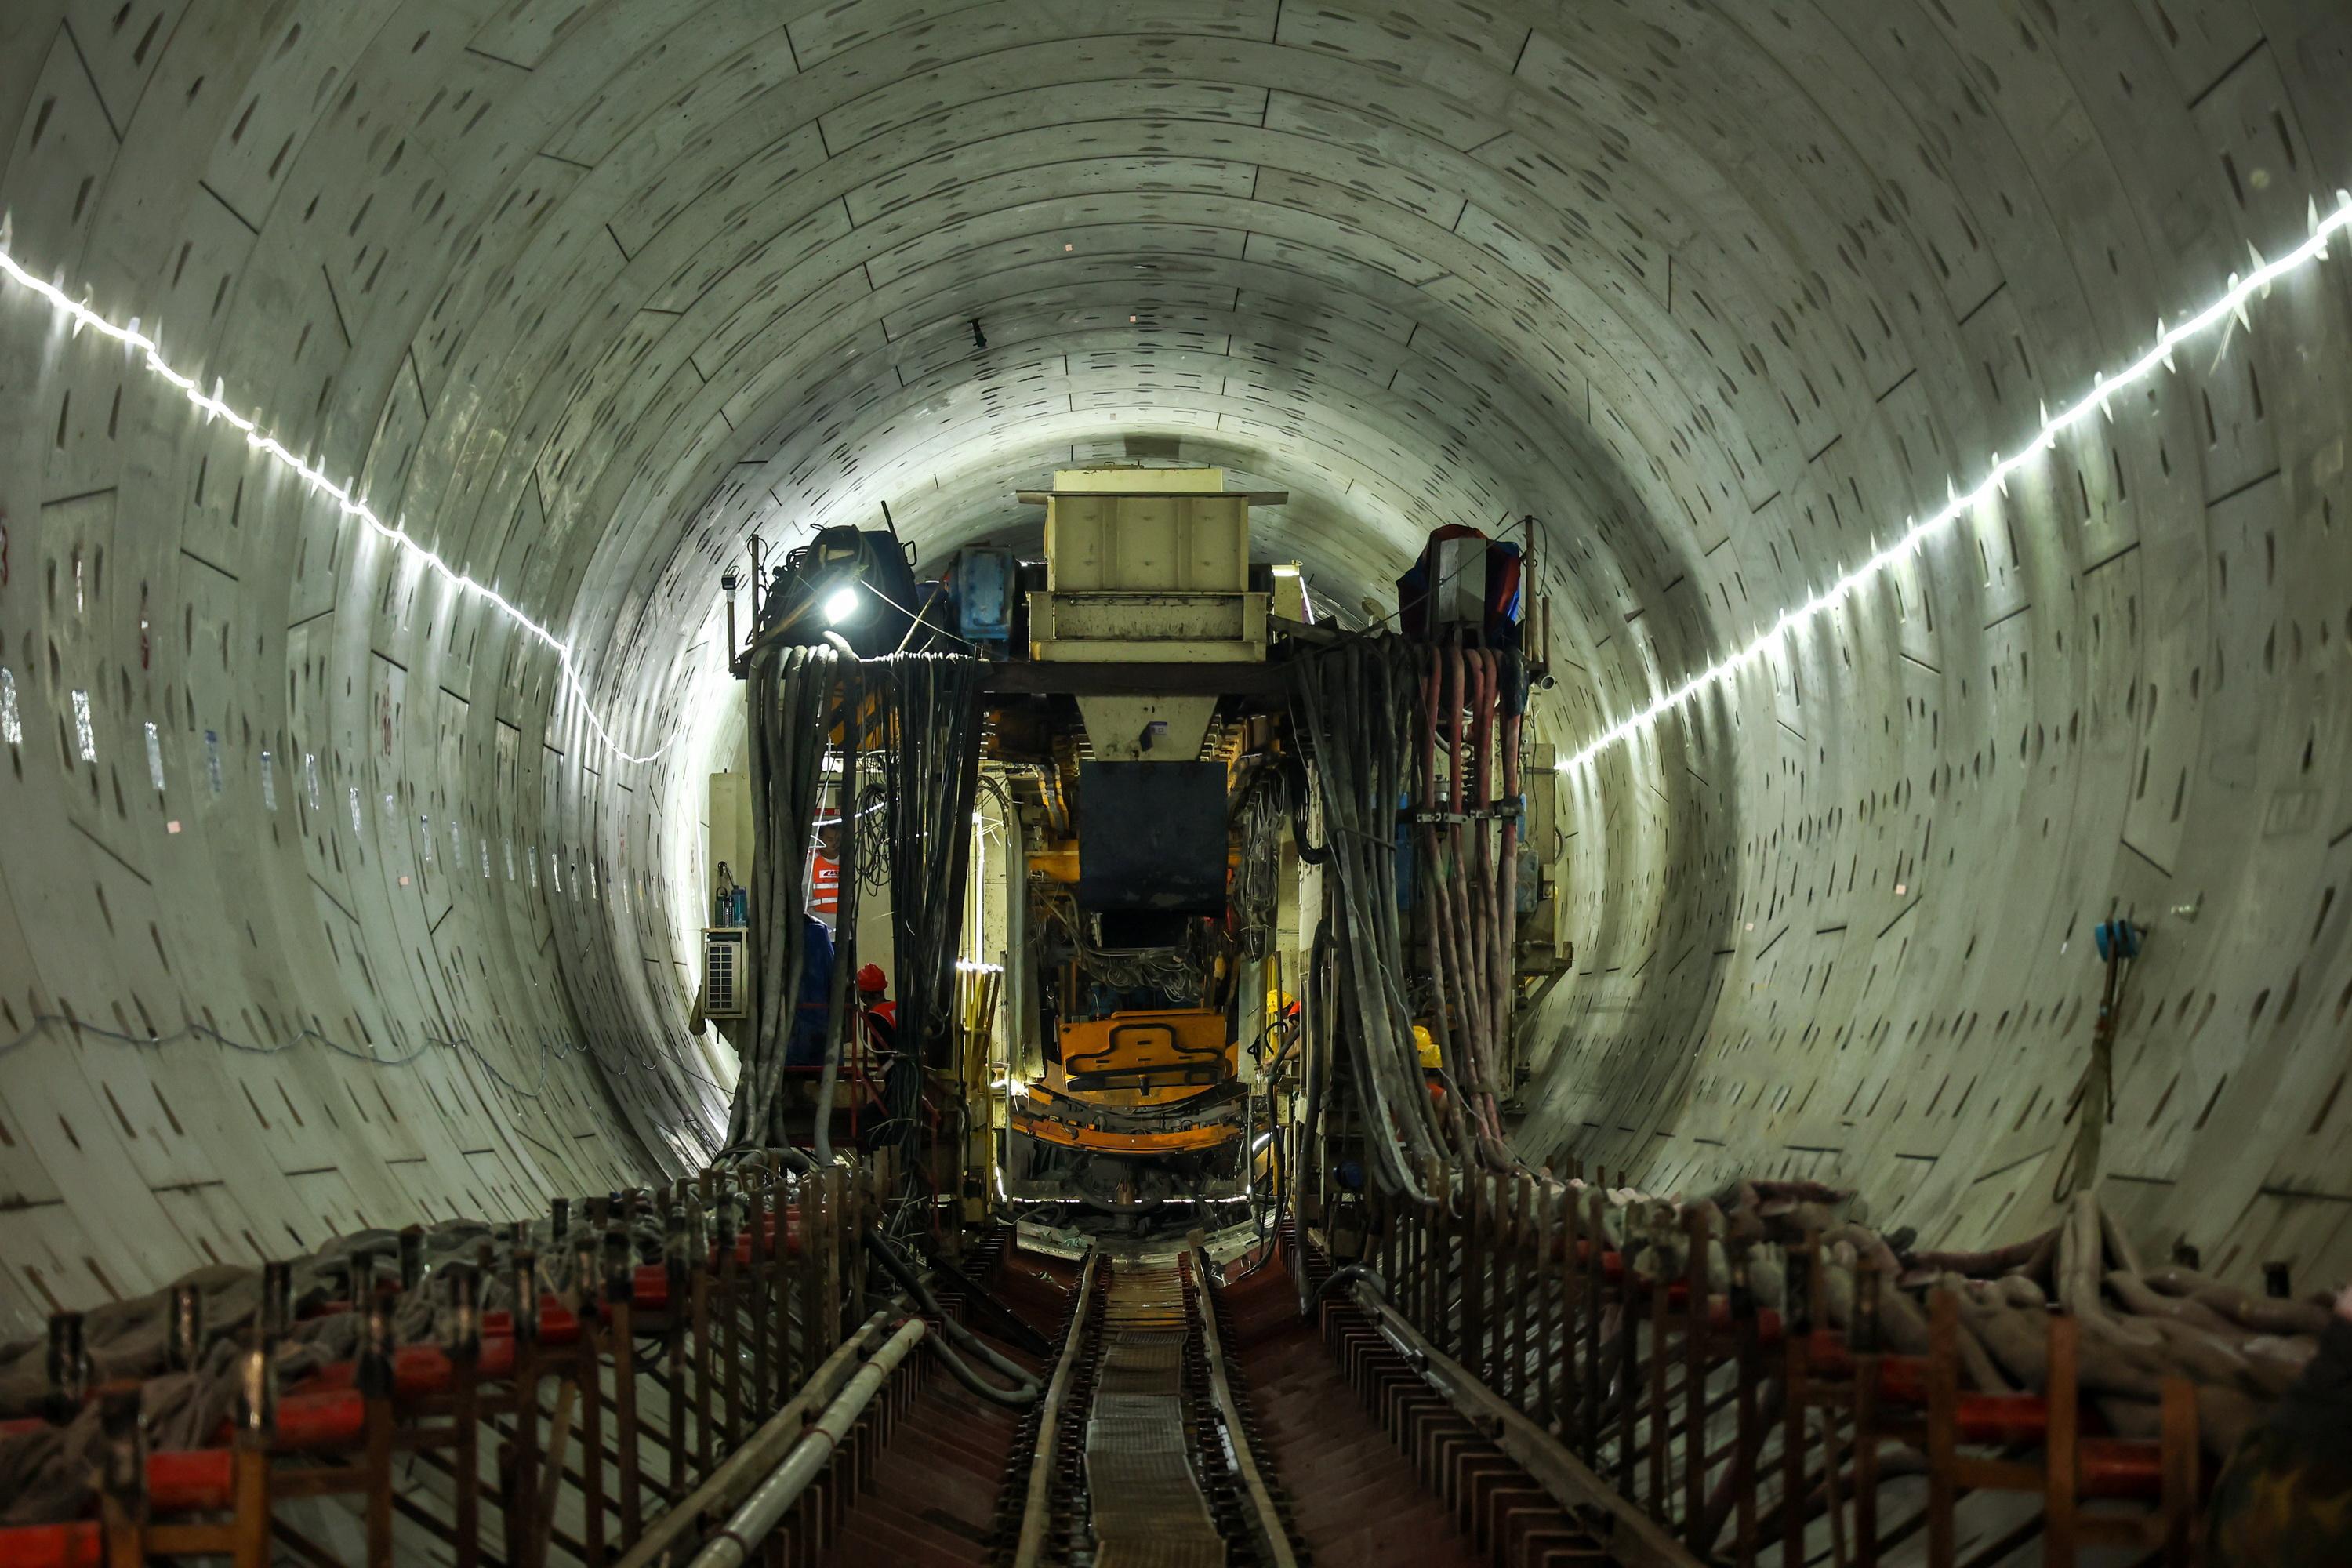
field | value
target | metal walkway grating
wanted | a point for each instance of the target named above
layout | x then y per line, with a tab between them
1147	1507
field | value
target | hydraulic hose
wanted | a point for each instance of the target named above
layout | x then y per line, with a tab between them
1512	699
1025	1388
1498	922
1321	966
845	920
1355	1273
1468	995
1392	765
1437	921
1352	694
1387	1015
792	1157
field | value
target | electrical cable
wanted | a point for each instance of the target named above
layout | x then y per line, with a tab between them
845	920
1255	891
1322	963
1353	710
917	616
928	710
1354	1274
1025	1388
791	692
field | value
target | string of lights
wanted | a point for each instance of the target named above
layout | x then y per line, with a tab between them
2230	307
213	406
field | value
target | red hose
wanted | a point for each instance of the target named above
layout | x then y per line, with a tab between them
1469	996
1436	927
1510	878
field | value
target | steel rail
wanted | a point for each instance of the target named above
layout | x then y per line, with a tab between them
1269	1525
1038	1508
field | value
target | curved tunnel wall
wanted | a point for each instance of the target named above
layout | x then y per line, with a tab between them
581	293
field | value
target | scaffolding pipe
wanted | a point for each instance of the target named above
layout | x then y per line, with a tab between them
774	1498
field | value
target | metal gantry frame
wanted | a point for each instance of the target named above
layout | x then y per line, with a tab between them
1683	1423
604	1422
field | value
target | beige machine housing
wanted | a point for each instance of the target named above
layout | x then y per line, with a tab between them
1147	566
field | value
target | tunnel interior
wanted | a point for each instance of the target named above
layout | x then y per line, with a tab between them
339	892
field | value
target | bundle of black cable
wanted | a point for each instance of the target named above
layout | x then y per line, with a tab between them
931	721
1358	700
794	700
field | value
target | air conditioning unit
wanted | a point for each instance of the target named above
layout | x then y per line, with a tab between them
726	972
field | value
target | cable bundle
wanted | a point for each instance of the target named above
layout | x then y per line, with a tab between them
1256	879
794	705
1358	702
930	773
1470	701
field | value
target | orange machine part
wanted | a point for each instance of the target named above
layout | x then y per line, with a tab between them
1146	1042
1070	1135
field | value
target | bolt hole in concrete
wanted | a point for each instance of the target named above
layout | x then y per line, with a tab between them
1829	421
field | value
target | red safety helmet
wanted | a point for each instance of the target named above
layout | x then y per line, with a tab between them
872	979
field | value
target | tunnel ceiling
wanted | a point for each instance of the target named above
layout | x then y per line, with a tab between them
582	294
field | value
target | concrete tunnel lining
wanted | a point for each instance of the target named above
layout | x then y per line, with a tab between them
582	294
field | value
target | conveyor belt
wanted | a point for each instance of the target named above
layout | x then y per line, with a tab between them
1184	1416
1148	1510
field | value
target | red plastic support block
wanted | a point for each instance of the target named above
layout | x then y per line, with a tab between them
2120	1467
76	1545
189	1481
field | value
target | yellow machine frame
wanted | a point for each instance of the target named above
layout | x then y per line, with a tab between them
1159	1056
1069	1135
1146	566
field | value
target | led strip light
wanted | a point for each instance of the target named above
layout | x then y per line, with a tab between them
210	405
2231	306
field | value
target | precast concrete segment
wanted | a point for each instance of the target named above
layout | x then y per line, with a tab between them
347	506
581	295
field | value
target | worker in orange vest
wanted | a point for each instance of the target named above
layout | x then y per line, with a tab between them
881	1015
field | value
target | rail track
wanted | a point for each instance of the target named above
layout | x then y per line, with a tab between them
1142	1452
1491	1381
1180	1407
